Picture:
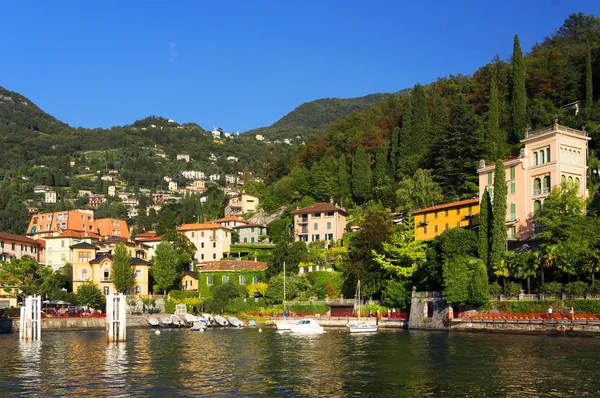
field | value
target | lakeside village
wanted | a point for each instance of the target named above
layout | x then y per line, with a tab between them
444	265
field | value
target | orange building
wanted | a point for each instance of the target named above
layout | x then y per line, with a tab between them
46	224
432	221
112	227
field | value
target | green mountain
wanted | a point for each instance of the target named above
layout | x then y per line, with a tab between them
312	118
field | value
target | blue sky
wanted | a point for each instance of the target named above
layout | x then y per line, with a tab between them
242	65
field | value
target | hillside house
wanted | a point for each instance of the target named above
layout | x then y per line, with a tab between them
321	221
17	246
432	221
211	240
241	204
50	197
183	156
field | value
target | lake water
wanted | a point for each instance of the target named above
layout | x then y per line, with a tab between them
229	362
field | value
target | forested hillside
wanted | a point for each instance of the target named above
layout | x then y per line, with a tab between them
312	118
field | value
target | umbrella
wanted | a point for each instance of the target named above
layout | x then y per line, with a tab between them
58	302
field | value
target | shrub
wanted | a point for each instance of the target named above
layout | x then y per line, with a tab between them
495	289
514	289
595	288
169	306
578	288
590	306
552	288
182	294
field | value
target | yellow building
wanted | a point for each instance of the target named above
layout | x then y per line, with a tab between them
190	281
432	221
90	265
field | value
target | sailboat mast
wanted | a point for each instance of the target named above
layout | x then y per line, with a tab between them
284	288
358	293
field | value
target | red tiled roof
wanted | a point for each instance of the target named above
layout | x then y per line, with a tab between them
503	161
18	238
448	205
231	218
69	233
233	265
193	227
320	207
249	225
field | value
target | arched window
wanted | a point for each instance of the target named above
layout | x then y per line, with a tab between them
537	206
537	186
563	179
542	157
535	159
570	182
578	157
546	184
577	182
547	154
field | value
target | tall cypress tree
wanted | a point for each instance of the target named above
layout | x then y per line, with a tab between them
381	171
589	99
420	121
361	176
439	119
493	135
406	147
485	222
394	151
343	180
498	235
519	95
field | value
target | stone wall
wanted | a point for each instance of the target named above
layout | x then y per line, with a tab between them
419	311
53	324
534	327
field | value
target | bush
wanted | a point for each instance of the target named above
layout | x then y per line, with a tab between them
495	289
578	288
182	294
552	288
590	306
169	306
514	289
595	288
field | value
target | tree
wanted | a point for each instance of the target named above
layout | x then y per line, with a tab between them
398	293
523	264
589	98
30	276
485	224
406	144
164	268
184	248
420	120
343	180
90	294
226	291
291	254
418	191
479	291
361	176
121	269
403	254
274	291
166	221
493	135
498	235
519	95
456	280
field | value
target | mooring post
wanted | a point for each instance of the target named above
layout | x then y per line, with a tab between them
116	318
30	325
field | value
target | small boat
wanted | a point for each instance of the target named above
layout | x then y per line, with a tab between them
190	319
199	325
235	322
220	321
209	319
360	326
154	322
307	326
284	325
176	321
166	322
252	323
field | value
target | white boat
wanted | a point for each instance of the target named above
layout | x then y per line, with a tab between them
176	321
284	325
220	321
154	322
360	326
166	322
307	326
235	322
209	319
191	319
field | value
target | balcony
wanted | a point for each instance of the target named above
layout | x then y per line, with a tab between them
512	219
423	223
213	239
105	280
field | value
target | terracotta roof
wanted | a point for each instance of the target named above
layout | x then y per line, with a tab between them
234	265
18	238
148	234
69	233
231	218
320	207
105	256
503	161
192	274
448	205
193	227
249	225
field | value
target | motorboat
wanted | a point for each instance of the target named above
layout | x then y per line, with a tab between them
252	323
307	326
166	322
235	322
190	319
176	321
220	321
209	319
362	327
284	325
154	322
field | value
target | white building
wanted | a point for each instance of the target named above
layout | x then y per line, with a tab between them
172	186
183	156
50	197
259	137
211	240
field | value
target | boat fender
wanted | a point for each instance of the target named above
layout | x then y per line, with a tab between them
260	330
157	332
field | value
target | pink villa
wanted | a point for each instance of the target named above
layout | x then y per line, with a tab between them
321	221
17	246
551	155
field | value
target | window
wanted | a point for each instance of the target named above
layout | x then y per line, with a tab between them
446	213
547	154
62	243
329	225
106	274
84	275
252	239
537	186
202	257
192	234
435	215
513	188
252	229
425	229
458	212
83	257
330	214
138	274
513	211
512	172
315	226
202	245
214	256
255	279
24	248
577	182
435	229
546	184
224	279
214	245
490	178
316	237
446	227
537	206
202	234
245	240
209	280
12	246
106	290
458	224
317	215
542	157
2	245
570	182
242	280
62	257
535	159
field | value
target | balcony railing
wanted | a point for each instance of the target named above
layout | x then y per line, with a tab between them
105	280
214	239
512	218
541	191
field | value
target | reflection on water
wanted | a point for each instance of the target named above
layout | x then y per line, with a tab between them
227	362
